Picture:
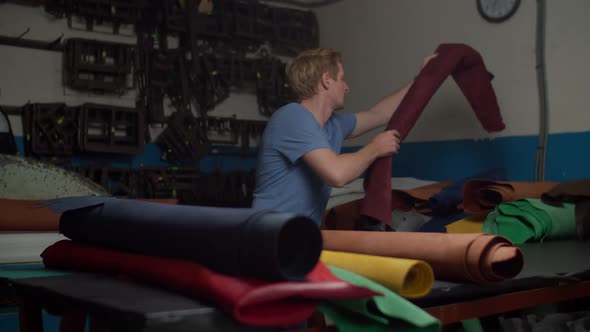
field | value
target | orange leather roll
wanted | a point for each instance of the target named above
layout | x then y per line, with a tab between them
26	215
23	215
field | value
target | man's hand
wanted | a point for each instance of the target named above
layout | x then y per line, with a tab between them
338	170
386	143
427	59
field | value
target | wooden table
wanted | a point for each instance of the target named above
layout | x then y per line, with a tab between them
552	274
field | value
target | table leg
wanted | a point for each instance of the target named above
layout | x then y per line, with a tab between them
72	321
30	315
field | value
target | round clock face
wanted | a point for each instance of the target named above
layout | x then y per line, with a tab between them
497	10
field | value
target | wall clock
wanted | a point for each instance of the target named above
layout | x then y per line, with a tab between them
497	11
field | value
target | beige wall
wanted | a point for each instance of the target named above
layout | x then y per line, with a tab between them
384	41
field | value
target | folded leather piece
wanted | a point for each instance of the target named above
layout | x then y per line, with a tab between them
389	312
446	201
485	195
23	215
578	192
236	241
470	224
343	217
531	220
407	277
250	301
417	199
477	258
438	223
469	72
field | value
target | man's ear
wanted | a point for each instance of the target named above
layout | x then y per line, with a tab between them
325	80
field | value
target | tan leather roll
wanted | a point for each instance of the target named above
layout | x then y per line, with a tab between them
478	258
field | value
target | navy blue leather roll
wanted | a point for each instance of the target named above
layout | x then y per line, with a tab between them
236	241
445	202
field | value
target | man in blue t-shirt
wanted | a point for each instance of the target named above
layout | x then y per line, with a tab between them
299	156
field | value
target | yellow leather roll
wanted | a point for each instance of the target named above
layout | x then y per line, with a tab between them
408	277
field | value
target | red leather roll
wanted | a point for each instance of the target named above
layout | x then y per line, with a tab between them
250	301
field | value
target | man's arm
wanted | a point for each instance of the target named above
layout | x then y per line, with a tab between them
339	170
379	114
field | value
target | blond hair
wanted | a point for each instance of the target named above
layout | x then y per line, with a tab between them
305	71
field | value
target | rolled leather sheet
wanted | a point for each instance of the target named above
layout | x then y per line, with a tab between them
567	191
249	301
24	215
236	241
485	195
27	215
477	258
409	278
447	201
469	72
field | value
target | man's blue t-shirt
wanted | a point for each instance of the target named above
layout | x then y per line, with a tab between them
284	182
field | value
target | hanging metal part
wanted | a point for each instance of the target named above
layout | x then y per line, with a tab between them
542	87
54	45
98	65
306	4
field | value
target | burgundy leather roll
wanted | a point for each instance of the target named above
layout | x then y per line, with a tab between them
469	72
484	195
250	301
475	258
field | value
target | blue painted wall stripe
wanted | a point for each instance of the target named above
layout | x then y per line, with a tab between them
568	157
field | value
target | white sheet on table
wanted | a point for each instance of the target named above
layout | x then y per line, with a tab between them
355	190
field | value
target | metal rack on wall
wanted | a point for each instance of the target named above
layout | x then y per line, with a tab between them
232	46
